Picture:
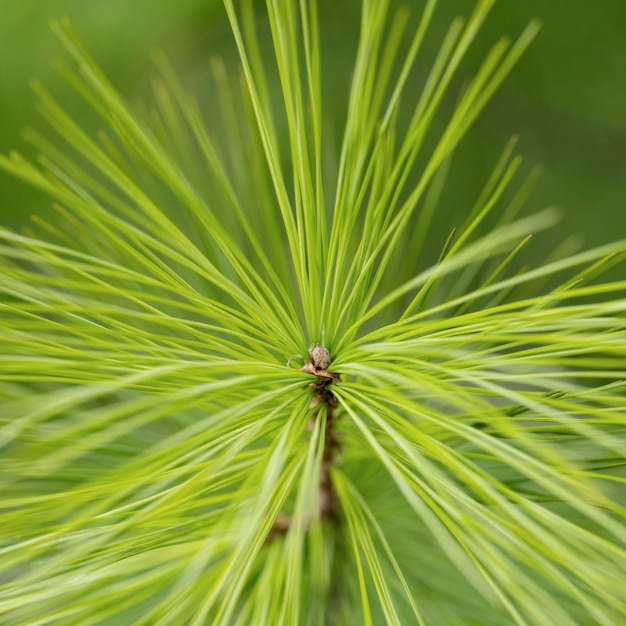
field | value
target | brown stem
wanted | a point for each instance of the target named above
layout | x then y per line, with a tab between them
328	499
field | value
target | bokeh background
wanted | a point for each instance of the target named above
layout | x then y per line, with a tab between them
566	99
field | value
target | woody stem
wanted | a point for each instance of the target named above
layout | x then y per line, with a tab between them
328	499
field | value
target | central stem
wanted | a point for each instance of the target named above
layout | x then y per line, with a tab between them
328	499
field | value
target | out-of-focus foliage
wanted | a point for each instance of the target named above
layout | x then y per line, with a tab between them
121	33
566	99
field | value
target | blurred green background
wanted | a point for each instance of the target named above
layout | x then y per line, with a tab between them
566	99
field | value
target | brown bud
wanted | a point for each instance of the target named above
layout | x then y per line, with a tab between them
320	357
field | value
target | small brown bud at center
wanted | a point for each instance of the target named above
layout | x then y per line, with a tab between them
320	357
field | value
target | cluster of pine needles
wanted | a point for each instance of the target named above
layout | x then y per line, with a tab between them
164	455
